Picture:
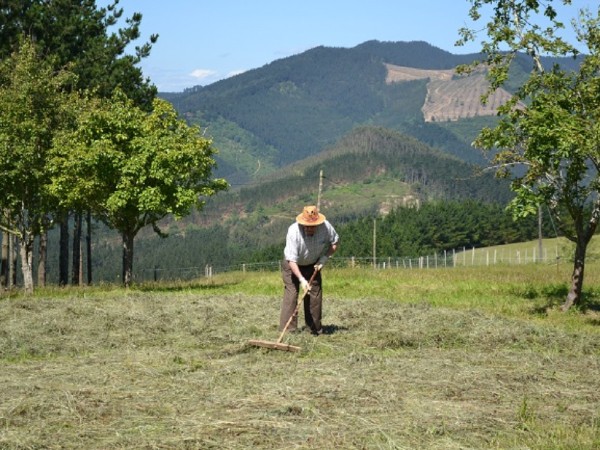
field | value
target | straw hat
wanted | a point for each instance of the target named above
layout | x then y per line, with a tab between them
310	216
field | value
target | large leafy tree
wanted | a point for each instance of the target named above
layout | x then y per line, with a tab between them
132	168
92	42
33	106
550	130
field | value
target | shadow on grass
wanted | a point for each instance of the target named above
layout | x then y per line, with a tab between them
555	297
551	297
590	303
594	322
327	329
332	329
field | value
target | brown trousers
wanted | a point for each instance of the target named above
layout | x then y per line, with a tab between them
313	301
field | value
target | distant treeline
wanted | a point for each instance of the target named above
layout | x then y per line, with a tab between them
404	232
438	226
434	227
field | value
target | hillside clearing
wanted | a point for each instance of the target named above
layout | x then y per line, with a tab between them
440	359
451	97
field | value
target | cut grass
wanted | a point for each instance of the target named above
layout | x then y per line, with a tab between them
438	359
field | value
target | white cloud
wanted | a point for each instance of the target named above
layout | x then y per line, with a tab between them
174	80
202	74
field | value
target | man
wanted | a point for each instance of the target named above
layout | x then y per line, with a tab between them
310	241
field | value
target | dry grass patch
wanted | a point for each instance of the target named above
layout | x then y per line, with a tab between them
171	369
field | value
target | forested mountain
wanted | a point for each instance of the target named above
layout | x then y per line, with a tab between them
294	107
397	168
338	112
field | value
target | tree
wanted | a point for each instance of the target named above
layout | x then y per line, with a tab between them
78	34
550	129
33	106
132	168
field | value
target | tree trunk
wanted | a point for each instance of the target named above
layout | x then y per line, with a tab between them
43	251
88	240
12	262
75	268
4	262
26	249
574	295
63	253
127	259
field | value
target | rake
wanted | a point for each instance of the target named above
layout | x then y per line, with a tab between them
278	345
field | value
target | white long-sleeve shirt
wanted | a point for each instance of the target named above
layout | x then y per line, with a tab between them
305	250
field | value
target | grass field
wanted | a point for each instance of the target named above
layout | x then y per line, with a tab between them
453	358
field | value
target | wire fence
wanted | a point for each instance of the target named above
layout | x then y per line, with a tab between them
456	258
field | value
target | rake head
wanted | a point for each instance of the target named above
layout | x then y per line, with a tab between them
275	345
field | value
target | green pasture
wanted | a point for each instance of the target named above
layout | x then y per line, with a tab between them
553	251
447	358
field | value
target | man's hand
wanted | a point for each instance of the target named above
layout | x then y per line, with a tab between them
304	284
322	260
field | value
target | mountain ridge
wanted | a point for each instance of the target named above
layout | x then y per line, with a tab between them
368	171
296	106
330	111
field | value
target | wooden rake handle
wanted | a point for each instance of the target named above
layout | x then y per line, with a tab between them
300	298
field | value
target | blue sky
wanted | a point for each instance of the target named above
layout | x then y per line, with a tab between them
203	41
